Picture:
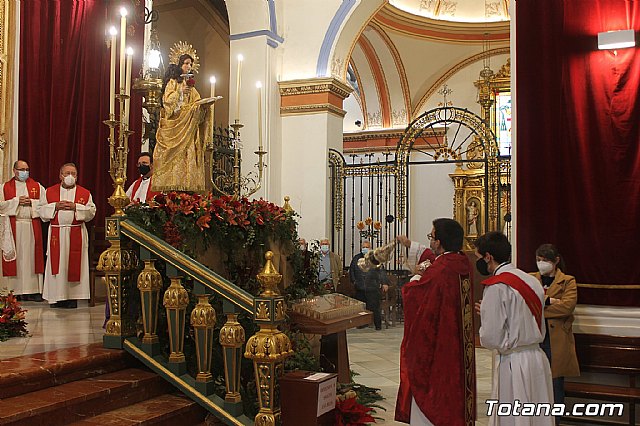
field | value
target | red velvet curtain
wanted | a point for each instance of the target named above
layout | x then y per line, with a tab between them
578	152
64	85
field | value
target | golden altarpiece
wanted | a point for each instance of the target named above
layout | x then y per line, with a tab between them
481	205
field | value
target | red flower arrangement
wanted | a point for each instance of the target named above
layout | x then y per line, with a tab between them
12	323
191	82
350	413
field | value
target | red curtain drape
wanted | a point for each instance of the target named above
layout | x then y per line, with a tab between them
64	85
578	152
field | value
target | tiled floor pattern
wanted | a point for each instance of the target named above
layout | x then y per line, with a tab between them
374	355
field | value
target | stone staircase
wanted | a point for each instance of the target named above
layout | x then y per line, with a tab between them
89	385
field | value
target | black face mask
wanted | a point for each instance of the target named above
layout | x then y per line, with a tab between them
144	169
482	267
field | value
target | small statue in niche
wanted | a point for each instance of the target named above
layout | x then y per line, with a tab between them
472	218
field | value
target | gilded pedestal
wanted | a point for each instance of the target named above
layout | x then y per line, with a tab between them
175	301
150	284
203	320
231	339
117	264
269	347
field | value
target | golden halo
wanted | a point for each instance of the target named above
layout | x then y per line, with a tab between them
180	48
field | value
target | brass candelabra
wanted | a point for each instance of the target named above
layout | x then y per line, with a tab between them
118	152
235	184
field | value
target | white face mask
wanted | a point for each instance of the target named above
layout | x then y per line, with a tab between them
69	180
303	247
545	267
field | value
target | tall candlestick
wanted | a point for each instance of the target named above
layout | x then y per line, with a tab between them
123	37
238	83
127	90
112	73
259	86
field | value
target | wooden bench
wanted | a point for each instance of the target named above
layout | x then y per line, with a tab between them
613	356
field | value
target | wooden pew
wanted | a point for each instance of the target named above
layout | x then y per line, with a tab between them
615	360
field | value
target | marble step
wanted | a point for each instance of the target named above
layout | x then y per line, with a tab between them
29	373
169	409
73	401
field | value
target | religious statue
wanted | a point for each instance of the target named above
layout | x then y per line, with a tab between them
472	218
185	128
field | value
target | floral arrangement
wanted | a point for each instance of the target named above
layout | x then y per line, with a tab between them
12	323
242	231
351	413
191	82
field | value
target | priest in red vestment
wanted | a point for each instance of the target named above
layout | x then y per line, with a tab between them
68	207
140	190
437	356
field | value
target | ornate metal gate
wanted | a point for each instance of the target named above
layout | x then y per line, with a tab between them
370	191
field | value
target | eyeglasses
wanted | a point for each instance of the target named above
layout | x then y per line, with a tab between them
24	169
431	237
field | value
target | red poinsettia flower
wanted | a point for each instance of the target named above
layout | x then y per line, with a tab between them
350	413
191	82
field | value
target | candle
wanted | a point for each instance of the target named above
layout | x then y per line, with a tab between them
213	85
240	59
123	36
259	86
112	72
127	90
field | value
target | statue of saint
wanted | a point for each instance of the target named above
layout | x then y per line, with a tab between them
472	218
184	130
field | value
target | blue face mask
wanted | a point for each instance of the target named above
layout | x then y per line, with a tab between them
324	248
23	175
365	250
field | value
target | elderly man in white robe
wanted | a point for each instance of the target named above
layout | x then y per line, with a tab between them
20	199
68	207
512	324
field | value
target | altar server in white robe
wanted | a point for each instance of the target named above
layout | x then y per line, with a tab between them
20	199
68	207
512	324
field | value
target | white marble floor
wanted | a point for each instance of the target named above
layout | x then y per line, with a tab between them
374	355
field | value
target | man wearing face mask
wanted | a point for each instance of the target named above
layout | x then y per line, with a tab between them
368	284
512	324
437	363
140	190
19	200
68	207
329	266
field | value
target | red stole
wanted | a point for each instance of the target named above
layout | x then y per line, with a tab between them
427	254
9	269
75	241
437	366
515	282
150	193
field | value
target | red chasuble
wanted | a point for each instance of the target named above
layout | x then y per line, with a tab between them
9	269
150	193
75	243
530	297
437	356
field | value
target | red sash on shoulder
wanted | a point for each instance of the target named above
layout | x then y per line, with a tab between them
75	241
9	269
150	193
527	293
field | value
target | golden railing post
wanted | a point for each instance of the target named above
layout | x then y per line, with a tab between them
175	301
269	347
203	320
232	338
150	284
117	263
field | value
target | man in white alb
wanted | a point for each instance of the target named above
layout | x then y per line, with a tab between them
68	207
140	190
512	324
19	201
